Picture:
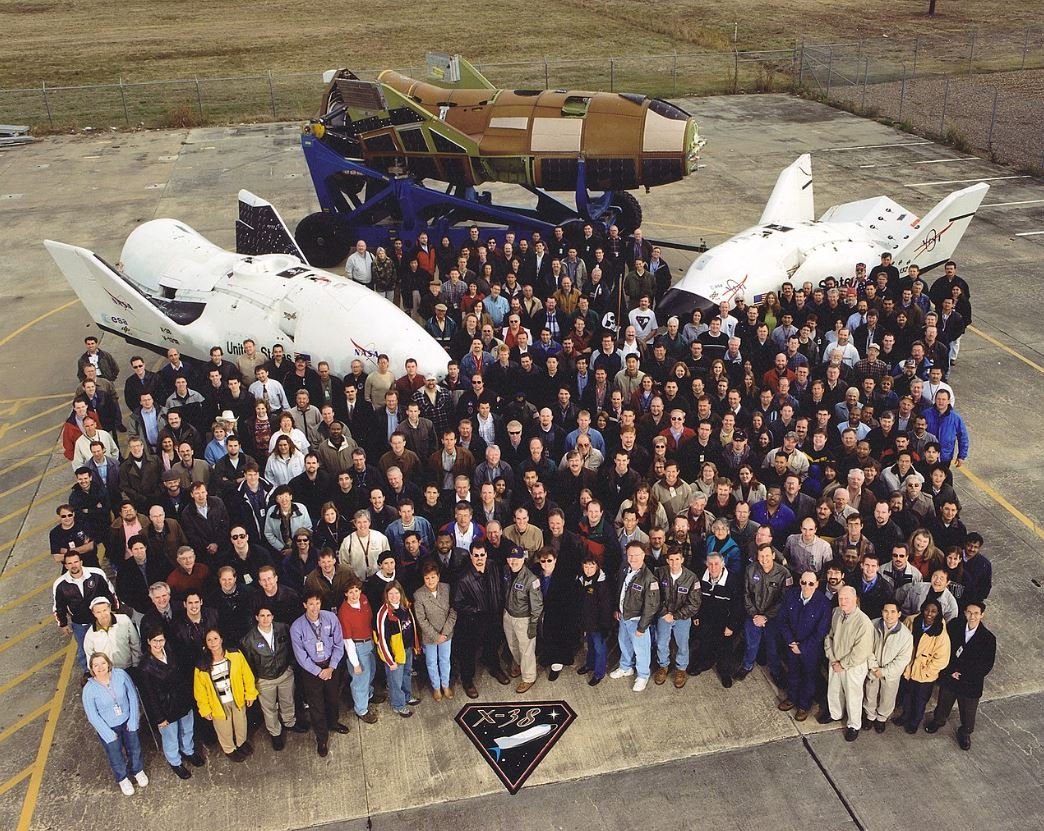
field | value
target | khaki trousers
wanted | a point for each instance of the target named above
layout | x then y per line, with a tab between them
523	647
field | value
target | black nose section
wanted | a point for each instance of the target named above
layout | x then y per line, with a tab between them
681	304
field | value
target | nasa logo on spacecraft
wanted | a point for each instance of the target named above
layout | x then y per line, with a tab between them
197	295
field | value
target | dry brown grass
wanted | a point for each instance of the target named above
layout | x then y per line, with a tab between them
92	41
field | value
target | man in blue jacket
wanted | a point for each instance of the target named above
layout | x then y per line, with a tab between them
948	427
804	621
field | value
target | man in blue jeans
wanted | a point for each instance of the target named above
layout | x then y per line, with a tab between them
72	594
680	600
636	608
766	580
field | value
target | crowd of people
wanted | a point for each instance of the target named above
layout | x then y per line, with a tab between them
768	483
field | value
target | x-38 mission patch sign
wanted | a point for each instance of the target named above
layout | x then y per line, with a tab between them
514	738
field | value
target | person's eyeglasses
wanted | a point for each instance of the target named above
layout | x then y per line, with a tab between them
547	561
478	556
66	516
302	539
807	583
239	536
677	418
514	432
476	383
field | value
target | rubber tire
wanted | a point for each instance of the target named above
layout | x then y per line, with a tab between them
630	214
322	239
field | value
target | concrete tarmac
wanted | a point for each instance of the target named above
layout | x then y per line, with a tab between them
702	756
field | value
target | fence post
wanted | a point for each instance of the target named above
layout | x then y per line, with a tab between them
917	46
902	95
830	69
271	93
801	66
993	120
547	82
47	105
123	97
866	72
199	99
612	74
942	119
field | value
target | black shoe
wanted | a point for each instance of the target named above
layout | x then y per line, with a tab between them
378	698
300	727
595	680
181	771
470	690
824	717
323	749
247	748
236	756
879	726
741	673
698	669
899	720
84	679
583	670
964	739
931	727
196	759
553	674
726	681
342	728
501	677
910	729
851	734
867	724
279	742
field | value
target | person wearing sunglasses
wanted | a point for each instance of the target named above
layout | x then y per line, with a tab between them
804	620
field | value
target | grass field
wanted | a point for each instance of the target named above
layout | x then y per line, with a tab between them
67	42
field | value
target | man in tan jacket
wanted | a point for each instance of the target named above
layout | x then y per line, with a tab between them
893	647
848	648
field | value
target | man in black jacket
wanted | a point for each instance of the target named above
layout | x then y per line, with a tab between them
267	650
479	601
973	650
720	618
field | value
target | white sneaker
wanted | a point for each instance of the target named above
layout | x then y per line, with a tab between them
126	787
141	779
620	672
640	684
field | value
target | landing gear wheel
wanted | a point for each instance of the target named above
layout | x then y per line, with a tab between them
630	215
322	240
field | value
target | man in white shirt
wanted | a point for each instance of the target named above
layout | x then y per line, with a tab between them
359	266
270	391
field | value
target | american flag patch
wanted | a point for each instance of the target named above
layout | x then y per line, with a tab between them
759	299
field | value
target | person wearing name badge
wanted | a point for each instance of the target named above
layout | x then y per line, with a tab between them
224	686
110	701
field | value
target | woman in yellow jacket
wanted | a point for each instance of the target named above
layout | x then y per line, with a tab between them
224	687
931	654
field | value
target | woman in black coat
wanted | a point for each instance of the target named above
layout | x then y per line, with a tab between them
166	692
560	625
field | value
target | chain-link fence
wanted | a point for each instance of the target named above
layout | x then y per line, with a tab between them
984	94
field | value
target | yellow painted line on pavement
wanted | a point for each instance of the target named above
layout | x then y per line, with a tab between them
991	492
29	482
6	428
28	718
52	429
11	572
21	512
26	398
46	740
16	780
1005	348
25	326
25	461
35	668
27	633
29	595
